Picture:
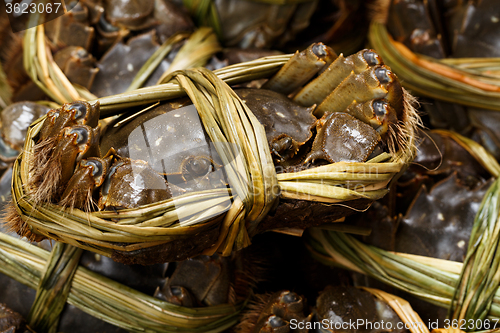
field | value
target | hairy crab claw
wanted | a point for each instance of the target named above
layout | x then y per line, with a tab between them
377	113
70	114
301	68
319	88
373	83
273	313
57	161
88	176
276	324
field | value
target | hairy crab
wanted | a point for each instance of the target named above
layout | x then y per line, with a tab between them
364	110
455	29
162	152
286	311
432	211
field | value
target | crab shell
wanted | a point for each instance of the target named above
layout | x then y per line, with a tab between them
132	183
169	137
288	125
341	137
14	121
350	304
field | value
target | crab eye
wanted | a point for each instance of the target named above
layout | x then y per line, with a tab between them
380	108
290	297
275	321
383	75
198	166
372	58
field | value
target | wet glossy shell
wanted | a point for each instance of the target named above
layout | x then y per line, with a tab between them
341	137
281	117
132	183
165	137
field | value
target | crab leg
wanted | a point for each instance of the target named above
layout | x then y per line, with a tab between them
300	68
318	89
361	87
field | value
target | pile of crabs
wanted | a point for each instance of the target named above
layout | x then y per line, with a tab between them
350	108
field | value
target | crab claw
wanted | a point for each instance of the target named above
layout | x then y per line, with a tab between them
377	113
279	310
341	137
370	84
132	183
318	89
275	324
89	175
70	146
70	114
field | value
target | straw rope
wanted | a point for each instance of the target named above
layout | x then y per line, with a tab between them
54	287
108	300
480	275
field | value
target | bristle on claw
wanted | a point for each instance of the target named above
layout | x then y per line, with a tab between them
252	313
74	199
14	223
401	136
45	171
